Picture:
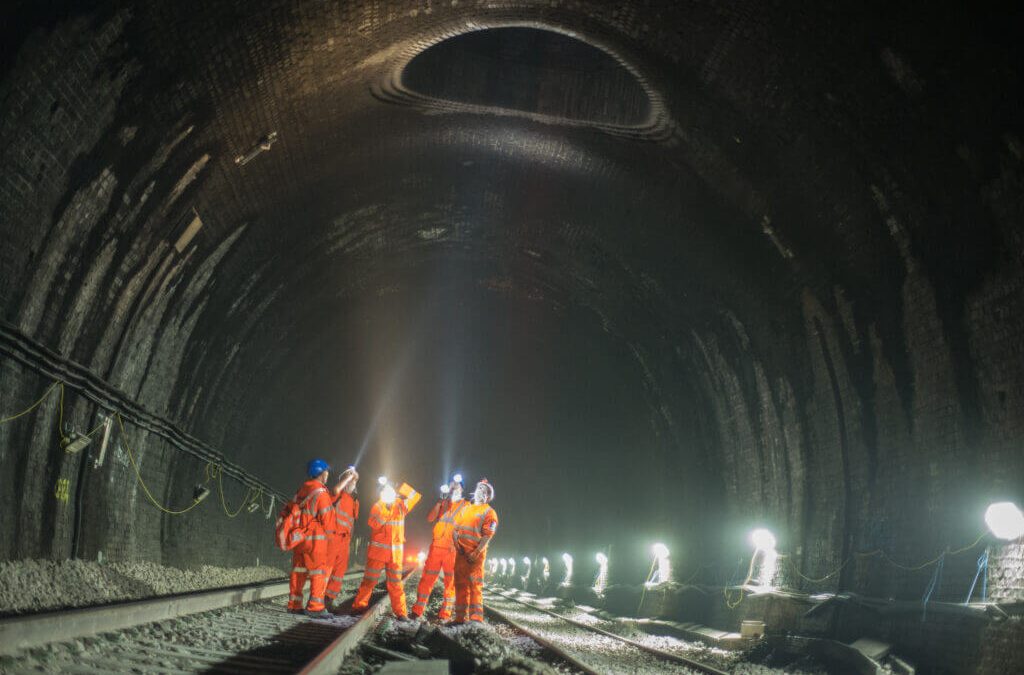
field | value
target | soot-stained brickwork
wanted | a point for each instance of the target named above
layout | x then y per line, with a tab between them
798	278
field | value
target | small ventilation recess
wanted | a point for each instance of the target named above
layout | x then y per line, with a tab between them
527	72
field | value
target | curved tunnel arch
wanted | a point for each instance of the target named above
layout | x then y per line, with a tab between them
810	268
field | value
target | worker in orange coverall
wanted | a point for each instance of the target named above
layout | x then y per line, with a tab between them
475	525
387	539
346	510
309	558
442	550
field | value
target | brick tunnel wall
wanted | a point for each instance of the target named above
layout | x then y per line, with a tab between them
89	270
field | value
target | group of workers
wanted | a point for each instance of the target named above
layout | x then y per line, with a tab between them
461	533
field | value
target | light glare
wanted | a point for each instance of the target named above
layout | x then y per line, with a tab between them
762	539
567	561
661	572
602	573
1005	520
388	494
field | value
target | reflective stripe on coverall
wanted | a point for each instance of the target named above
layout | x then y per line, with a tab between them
309	559
387	539
441	558
473	523
346	510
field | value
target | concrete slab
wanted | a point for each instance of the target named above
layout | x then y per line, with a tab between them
871	648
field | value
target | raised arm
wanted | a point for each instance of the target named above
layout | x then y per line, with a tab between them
409	496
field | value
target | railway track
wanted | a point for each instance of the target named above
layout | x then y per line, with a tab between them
253	633
586	647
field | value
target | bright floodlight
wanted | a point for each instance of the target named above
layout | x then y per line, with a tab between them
444	489
545	569
762	539
421	557
764	543
1005	520
602	573
567	561
457	478
504	566
661	568
388	494
511	567
382	481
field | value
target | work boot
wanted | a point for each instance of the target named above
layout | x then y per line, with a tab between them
295	610
319	614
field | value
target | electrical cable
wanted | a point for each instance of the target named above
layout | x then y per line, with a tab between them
138	475
743	587
32	354
932	585
31	407
223	502
982	569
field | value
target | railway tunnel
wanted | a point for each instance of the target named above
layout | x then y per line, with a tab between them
664	273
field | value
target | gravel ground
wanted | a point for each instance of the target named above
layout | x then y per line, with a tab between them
36	585
730	661
502	651
255	629
602	653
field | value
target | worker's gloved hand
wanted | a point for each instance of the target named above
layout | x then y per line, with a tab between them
473	556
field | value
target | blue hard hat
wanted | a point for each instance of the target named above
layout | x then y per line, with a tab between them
317	467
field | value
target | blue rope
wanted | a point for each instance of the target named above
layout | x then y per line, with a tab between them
982	569
932	585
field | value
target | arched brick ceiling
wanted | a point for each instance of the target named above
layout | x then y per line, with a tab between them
796	239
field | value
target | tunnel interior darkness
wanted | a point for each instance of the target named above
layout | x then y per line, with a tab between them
660	272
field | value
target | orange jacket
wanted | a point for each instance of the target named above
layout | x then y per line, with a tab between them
346	510
317	510
473	523
443	516
387	526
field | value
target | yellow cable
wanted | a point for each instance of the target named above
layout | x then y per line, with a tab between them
223	503
138	474
725	591
33	406
60	424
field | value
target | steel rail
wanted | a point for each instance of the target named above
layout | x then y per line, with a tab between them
703	667
330	659
536	637
34	630
36	356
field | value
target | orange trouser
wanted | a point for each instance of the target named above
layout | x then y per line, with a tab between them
337	563
469	588
309	560
374	570
438	560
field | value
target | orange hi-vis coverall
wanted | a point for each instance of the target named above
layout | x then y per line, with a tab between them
472	524
346	510
309	559
387	539
441	558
